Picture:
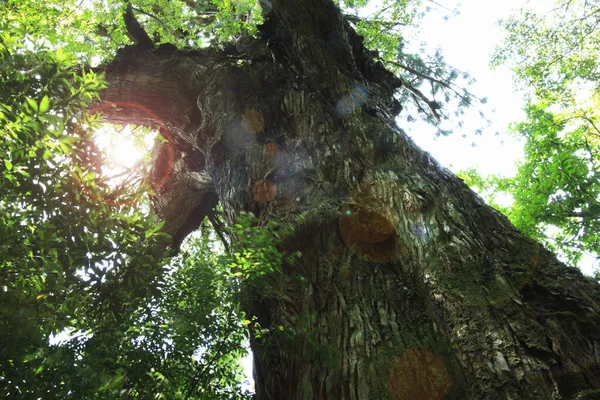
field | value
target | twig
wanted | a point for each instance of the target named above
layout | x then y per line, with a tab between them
432	104
216	224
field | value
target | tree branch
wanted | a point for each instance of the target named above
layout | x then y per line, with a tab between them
433	105
218	227
135	30
174	32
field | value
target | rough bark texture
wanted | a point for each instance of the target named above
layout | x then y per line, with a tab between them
409	287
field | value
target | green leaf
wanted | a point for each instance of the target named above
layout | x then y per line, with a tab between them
89	176
60	55
32	104
44	105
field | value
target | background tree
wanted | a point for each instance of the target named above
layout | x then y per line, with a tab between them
366	262
555	57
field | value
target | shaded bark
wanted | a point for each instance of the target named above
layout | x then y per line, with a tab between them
409	287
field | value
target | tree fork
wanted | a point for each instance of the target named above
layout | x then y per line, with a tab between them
410	286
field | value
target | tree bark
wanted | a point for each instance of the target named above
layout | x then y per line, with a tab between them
409	285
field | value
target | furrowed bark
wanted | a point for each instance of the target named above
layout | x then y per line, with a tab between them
410	286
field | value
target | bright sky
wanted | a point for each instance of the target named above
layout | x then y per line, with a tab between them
467	41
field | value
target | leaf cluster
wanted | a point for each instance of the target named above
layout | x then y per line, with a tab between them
555	56
257	257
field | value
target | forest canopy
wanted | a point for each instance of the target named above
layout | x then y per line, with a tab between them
89	289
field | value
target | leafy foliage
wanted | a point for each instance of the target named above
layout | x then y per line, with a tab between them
93	31
556	190
88	308
555	52
257	257
433	91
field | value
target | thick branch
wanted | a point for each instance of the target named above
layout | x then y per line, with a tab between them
144	88
135	29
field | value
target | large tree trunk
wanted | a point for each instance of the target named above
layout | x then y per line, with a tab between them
412	287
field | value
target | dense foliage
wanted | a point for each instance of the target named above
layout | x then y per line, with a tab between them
90	307
85	297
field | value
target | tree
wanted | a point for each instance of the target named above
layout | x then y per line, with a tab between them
407	285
